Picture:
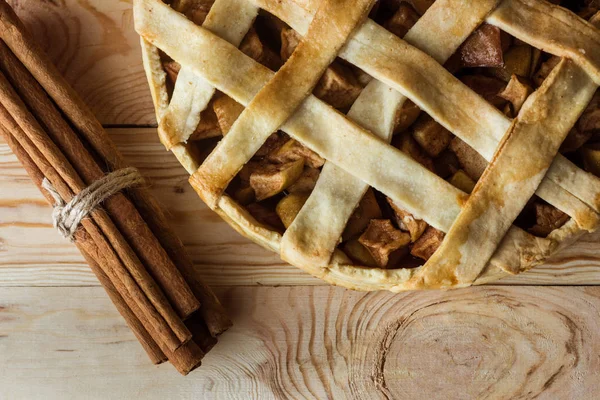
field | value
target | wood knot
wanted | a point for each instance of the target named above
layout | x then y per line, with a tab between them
491	347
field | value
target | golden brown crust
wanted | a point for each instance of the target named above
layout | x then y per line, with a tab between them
566	187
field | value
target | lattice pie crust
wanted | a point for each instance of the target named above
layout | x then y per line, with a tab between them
483	240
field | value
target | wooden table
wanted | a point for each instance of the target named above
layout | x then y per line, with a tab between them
60	337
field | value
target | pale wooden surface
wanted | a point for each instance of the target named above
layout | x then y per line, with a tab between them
317	342
61	340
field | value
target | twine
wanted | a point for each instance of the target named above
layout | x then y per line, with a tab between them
68	216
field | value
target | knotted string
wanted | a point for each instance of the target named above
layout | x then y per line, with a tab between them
68	216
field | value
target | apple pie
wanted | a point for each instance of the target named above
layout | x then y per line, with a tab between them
385	145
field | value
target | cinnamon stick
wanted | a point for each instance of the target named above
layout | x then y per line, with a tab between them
123	212
44	72
37	147
201	334
154	353
49	147
187	357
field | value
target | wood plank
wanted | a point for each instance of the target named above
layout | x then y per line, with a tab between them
94	45
32	253
315	342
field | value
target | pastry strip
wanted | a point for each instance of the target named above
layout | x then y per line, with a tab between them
514	173
230	20
156	76
586	217
158	90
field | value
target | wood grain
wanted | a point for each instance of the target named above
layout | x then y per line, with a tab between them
94	45
32	254
320	342
500	342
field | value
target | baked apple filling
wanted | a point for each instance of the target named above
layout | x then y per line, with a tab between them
278	180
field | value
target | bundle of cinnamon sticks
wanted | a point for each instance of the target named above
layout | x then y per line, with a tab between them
128	244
